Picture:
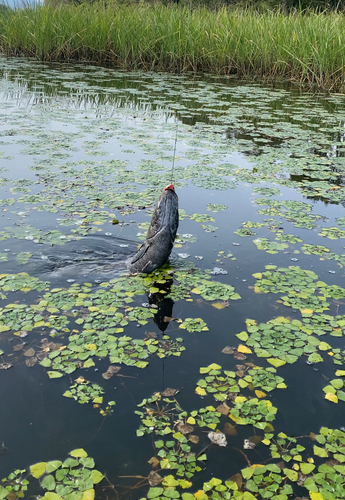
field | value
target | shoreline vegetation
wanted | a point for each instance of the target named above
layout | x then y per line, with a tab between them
303	47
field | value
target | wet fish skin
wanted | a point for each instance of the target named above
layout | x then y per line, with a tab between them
160	235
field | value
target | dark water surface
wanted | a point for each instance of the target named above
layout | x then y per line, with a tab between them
84	155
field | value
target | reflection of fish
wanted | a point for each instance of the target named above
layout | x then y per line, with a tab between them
160	236
164	304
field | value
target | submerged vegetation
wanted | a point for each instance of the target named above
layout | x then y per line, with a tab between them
305	47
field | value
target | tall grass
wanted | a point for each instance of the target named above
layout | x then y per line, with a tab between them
307	47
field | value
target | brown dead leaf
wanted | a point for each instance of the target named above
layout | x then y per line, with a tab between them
255	439
51	345
154	478
240	373
154	462
301	479
239	355
331	463
241	367
12	495
223	409
167	319
251	365
30	352
269	427
232	396
113	369
230	429
312	436
194	439
228	350
41	355
184	428
18	347
152	335
169	392
31	361
237	478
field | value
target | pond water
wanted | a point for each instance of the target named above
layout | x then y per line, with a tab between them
245	326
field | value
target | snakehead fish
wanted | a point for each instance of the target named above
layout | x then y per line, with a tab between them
160	235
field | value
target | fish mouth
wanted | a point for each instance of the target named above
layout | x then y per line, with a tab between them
169	187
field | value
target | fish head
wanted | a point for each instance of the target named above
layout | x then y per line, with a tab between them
167	207
167	197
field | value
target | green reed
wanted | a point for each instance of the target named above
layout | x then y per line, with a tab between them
304	47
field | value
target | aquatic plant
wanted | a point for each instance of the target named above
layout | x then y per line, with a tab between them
74	478
270	44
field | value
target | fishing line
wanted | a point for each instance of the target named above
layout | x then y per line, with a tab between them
173	163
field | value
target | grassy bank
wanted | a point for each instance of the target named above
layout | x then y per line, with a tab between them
302	47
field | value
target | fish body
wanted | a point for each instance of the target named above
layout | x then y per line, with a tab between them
160	235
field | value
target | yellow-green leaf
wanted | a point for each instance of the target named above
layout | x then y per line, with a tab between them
50	495
291	474
185	484
315	495
258	276
306	311
54	374
320	452
323	346
333	398
242	336
96	476
306	468
88	494
276	362
78	453
200	391
244	349
218	305
260	394
38	469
